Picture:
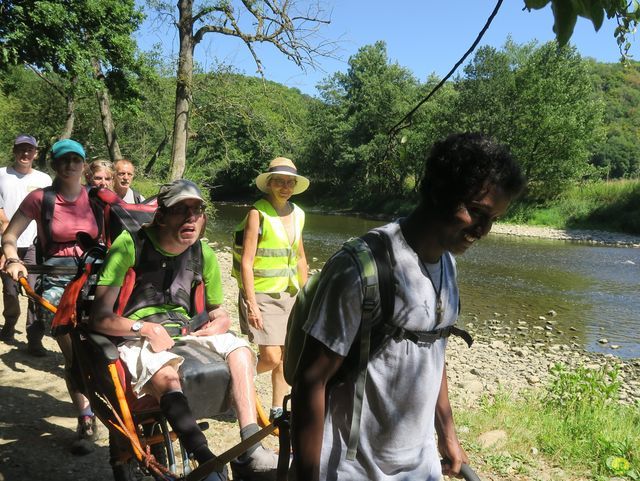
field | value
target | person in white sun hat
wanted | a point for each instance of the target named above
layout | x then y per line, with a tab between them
270	266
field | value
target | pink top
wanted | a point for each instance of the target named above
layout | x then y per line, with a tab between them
69	218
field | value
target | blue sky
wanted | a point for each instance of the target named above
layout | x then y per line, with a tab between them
427	36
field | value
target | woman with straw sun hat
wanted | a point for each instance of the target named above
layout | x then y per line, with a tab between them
270	266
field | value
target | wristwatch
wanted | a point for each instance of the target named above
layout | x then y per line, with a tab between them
136	326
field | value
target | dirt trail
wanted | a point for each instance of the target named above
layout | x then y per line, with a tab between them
37	423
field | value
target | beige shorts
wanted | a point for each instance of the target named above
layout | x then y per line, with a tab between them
275	309
142	363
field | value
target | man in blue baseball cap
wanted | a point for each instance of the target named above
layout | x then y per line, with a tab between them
16	181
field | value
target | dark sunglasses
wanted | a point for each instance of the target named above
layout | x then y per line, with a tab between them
184	209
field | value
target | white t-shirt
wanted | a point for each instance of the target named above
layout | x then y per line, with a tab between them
14	187
397	434
129	198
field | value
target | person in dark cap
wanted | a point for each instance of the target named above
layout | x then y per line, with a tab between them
16	181
173	240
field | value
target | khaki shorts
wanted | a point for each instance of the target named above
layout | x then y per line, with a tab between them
142	363
275	310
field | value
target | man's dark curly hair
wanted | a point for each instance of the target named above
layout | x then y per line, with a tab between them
461	167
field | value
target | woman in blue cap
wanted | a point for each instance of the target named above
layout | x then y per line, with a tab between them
60	212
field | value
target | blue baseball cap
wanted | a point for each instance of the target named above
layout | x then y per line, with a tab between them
66	146
26	139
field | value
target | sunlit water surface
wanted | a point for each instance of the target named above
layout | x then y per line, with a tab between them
594	290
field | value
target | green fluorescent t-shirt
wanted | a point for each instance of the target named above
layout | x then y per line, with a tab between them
121	257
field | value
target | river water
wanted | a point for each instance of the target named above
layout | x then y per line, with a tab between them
511	282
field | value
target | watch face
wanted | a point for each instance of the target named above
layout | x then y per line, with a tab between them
136	326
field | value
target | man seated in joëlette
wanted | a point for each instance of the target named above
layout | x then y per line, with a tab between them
172	241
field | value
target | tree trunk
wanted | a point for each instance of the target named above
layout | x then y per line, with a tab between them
183	90
108	127
71	117
156	155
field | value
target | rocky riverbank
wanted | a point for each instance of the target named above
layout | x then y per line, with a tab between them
37	423
574	235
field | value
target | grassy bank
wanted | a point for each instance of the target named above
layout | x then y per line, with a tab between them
611	206
574	425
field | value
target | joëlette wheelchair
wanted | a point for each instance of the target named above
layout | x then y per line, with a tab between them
141	443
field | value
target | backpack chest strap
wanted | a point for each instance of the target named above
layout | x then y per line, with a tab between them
423	338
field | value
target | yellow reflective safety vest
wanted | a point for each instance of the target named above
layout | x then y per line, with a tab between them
275	266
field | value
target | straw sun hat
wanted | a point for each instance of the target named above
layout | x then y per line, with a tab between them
282	166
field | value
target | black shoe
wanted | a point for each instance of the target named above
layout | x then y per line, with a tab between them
8	335
36	349
87	428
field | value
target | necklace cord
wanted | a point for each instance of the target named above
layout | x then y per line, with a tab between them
438	291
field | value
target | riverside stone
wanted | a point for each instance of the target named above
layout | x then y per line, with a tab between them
493	438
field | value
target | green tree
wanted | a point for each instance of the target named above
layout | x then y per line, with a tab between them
76	46
542	103
619	154
559	120
283	24
434	121
28	105
238	125
362	105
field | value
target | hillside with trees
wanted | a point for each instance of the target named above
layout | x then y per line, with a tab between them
568	120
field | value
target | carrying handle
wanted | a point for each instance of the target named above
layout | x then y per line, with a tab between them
467	473
32	294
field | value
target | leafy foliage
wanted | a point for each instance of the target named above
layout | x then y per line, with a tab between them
619	155
78	47
574	391
239	124
360	107
566	12
541	102
62	37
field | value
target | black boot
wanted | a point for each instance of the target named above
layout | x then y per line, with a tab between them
35	333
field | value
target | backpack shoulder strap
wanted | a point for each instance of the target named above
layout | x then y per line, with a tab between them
130	277
373	255
98	212
198	300
137	198
46	221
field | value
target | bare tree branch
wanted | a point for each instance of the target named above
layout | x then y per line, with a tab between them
275	22
294	35
54	85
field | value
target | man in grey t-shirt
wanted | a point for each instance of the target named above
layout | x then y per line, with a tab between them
467	183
